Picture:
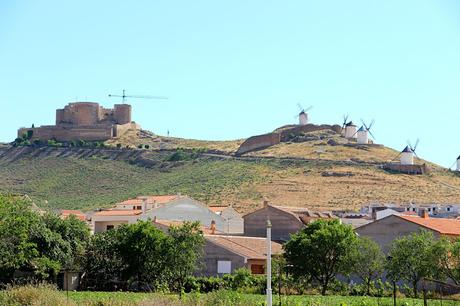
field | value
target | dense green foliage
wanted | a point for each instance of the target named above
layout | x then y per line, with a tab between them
320	251
367	261
412	258
40	245
141	257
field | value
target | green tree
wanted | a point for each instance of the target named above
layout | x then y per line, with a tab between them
73	231
367	261
411	258
185	249
447	253
16	249
103	265
320	251
142	248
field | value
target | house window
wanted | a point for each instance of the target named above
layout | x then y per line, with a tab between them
413	209
109	227
224	266
139	207
257	269
448	208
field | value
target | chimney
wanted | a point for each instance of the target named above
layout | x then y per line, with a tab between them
265	202
213	227
423	213
144	205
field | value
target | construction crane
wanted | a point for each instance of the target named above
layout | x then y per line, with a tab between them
124	96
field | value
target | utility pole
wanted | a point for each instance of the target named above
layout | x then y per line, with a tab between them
269	263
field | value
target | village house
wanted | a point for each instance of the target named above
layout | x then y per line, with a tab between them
223	254
285	221
385	230
66	213
171	207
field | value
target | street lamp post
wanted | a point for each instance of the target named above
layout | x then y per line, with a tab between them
269	263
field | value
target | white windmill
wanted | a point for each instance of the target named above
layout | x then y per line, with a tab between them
348	128
407	155
364	132
303	114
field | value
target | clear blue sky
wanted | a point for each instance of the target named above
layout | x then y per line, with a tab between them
233	69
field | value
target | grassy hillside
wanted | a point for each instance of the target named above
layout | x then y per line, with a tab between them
320	170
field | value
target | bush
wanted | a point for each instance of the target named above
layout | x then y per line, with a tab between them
41	294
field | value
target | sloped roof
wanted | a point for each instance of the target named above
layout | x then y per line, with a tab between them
440	225
169	223
160	199
407	150
304	215
249	247
350	124
128	212
362	129
217	209
65	213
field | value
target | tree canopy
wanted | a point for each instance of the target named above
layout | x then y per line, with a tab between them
320	251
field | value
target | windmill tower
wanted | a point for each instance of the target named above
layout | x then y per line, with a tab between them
350	130
363	133
303	114
407	155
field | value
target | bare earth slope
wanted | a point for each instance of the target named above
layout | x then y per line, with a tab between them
320	170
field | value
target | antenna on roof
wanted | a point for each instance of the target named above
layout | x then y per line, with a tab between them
124	96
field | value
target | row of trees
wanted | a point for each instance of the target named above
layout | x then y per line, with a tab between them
326	249
142	257
136	257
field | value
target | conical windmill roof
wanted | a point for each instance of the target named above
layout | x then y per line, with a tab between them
362	129
407	150
458	158
350	124
302	112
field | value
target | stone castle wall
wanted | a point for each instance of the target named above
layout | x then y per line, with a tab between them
260	142
85	121
86	133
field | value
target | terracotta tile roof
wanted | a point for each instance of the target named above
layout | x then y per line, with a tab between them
217	209
249	247
130	212
440	225
304	214
65	213
161	199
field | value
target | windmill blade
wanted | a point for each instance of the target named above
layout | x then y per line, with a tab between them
345	119
370	133
370	125
399	154
308	108
354	134
410	145
301	109
364	123
416	144
452	165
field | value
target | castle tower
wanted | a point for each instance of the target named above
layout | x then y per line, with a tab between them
122	113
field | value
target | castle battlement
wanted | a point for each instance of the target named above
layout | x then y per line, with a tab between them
85	121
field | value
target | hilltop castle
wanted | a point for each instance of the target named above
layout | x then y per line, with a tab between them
86	121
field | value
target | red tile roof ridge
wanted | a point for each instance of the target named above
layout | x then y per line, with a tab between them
441	225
